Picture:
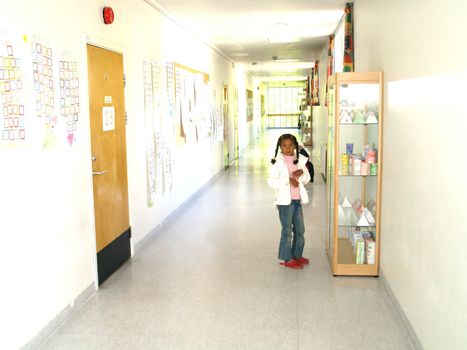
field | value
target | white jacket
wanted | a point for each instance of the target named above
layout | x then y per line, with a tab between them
279	180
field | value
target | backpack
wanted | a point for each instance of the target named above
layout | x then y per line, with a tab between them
311	170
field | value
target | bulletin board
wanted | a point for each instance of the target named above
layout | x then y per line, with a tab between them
192	105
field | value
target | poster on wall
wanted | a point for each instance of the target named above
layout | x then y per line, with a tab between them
149	136
249	105
39	95
217	124
192	105
69	97
43	79
12	97
158	111
169	124
159	128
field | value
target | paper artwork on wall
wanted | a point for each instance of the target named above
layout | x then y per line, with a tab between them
69	97
193	105
249	105
217	124
170	89
159	128
11	92
42	64
149	136
164	124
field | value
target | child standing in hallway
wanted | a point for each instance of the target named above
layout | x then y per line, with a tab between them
287	176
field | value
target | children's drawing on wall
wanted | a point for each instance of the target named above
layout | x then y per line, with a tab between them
158	102
42	64
149	135
203	106
217	124
169	123
187	100
69	97
11	90
170	89
249	105
159	130
193	114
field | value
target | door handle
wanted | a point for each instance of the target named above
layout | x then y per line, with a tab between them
99	172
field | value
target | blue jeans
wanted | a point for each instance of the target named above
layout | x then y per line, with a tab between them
291	217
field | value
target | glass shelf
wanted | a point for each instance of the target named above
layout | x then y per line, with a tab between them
358	123
355	175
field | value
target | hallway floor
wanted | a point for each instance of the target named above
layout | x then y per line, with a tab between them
211	280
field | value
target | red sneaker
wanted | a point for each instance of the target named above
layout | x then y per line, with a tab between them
303	260
293	264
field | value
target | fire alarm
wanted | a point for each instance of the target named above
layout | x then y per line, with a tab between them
108	15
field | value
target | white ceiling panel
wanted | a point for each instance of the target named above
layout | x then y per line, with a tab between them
250	32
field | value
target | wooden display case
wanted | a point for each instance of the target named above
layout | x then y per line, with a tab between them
354	169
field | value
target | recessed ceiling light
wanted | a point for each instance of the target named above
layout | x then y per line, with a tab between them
287	60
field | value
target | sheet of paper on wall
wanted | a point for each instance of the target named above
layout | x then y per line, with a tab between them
43	76
11	90
108	118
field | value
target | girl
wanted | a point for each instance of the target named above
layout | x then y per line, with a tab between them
287	176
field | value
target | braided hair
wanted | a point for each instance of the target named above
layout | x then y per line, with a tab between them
279	141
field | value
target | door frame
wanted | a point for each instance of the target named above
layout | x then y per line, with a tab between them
102	43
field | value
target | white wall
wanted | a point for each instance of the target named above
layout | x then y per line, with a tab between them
419	46
247	132
320	113
46	196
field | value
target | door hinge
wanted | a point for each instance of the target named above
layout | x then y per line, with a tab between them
126	118
124	80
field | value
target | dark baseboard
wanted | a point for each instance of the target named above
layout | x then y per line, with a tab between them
113	256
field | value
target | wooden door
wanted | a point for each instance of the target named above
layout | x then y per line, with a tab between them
108	148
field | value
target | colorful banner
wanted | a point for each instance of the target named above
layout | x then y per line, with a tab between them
315	85
348	39
330	69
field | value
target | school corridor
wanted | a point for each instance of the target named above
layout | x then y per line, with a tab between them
210	279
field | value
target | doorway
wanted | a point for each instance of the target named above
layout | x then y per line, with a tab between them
109	165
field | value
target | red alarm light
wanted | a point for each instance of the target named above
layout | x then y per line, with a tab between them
108	15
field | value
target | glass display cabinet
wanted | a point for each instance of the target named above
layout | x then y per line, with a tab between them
354	170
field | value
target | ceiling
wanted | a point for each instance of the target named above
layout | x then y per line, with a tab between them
267	37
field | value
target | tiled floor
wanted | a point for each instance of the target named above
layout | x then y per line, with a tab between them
212	280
